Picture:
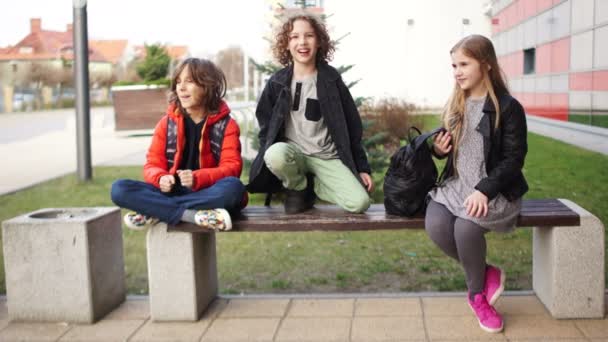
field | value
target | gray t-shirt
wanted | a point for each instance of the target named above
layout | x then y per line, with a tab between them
305	127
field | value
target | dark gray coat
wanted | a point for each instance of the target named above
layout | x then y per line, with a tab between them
339	113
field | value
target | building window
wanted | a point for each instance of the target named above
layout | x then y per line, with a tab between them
529	61
307	3
69	50
26	49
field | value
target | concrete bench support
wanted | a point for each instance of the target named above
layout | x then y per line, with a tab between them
64	264
182	273
568	254
568	267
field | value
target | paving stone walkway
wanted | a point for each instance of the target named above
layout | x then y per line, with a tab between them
431	317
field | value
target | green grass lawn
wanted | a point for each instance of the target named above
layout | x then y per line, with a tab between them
338	261
593	120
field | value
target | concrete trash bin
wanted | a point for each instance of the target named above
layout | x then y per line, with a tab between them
64	264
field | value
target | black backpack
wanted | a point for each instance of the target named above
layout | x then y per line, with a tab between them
410	176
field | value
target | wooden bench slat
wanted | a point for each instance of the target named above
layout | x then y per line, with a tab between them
535	212
525	211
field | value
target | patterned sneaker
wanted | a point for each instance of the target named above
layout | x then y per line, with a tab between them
137	221
494	283
216	219
489	320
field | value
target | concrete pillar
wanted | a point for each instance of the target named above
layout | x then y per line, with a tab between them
64	265
182	273
7	93
568	267
47	96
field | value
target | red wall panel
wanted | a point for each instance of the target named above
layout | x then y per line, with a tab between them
553	106
519	11
518	64
600	80
560	55
527	100
542	5
581	81
529	8
543	59
543	100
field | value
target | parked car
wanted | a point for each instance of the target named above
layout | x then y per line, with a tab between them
23	102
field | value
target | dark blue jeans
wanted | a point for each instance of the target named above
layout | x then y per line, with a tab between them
147	199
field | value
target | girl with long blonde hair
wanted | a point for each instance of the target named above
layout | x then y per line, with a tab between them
482	188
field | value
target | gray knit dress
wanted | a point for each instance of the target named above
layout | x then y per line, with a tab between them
471	168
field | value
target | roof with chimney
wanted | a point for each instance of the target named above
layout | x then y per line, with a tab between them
42	44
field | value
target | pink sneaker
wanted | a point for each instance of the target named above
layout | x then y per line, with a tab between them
489	319
494	283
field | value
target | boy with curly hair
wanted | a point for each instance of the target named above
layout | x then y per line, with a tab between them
310	128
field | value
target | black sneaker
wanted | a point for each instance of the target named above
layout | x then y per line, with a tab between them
297	201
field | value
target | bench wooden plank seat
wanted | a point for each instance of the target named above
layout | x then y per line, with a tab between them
535	213
568	273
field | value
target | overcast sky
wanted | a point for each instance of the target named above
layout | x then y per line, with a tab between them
206	26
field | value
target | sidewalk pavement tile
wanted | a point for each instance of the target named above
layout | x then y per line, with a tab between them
596	328
3	310
17	331
314	329
3	314
368	329
388	307
215	309
446	306
242	329
539	327
321	308
489	337
171	331
558	340
131	309
255	308
103	331
458	327
521	305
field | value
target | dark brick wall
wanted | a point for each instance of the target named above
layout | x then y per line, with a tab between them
138	109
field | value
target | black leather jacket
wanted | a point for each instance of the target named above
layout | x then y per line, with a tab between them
339	113
504	149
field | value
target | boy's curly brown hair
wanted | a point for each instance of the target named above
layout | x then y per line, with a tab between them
280	48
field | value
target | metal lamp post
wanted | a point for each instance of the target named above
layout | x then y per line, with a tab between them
81	80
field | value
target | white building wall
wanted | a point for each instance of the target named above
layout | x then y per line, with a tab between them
561	20
560	83
601	12
530	33
394	59
581	51
529	85
600	53
582	10
543	84
543	27
599	101
580	100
